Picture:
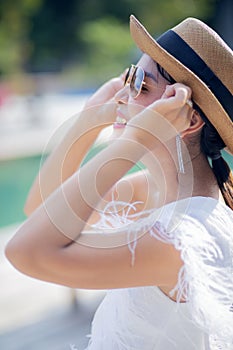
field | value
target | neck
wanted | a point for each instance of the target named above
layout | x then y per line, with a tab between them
198	179
205	183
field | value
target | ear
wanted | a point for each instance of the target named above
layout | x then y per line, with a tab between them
196	123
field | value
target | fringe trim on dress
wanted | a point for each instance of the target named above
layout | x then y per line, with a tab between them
206	278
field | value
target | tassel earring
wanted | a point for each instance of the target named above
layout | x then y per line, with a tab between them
179	154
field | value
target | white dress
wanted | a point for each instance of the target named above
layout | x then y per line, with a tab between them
144	318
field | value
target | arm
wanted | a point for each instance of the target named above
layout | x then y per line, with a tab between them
46	246
68	155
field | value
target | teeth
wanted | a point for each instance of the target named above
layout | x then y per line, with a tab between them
120	120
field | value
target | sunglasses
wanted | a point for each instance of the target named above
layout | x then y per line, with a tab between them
135	78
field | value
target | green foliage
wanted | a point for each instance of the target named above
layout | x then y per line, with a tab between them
53	34
14	29
160	15
109	45
39	35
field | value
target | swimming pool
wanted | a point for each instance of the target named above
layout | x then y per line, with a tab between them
16	177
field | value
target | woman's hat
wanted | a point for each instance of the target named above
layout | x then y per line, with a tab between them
193	54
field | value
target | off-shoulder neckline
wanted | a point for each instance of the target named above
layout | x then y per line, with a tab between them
217	201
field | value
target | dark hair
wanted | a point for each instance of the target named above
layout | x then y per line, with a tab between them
211	146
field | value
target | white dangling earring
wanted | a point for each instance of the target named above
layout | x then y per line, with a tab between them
179	154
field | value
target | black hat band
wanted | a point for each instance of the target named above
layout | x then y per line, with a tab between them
179	49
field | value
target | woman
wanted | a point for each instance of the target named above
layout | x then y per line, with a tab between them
175	217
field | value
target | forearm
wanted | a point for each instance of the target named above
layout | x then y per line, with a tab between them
83	191
62	217
68	155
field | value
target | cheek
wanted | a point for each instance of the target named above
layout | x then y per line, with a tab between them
136	106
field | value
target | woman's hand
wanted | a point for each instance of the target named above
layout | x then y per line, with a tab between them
100	110
106	92
174	103
67	157
164	118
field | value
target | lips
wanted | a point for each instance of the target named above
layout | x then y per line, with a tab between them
121	121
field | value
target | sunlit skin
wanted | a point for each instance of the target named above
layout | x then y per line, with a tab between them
152	90
128	106
39	250
155	88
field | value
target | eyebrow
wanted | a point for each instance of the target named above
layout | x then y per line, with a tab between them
150	75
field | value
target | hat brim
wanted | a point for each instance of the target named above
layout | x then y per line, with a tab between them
201	94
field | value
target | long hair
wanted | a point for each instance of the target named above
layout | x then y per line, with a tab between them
211	146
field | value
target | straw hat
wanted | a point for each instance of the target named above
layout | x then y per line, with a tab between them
193	54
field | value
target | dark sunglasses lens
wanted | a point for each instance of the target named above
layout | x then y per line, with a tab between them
127	76
137	81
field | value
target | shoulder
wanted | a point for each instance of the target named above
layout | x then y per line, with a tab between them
197	209
213	214
137	188
201	228
142	182
203	235
195	222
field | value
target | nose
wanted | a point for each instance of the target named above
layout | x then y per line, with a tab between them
122	95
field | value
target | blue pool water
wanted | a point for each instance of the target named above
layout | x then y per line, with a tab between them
16	177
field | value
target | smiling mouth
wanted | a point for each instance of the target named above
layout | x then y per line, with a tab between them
120	122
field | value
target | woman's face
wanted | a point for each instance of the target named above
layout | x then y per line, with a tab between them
152	90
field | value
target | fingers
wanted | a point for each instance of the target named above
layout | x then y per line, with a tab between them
123	75
174	98
189	103
178	93
105	92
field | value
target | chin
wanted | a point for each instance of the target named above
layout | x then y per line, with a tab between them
117	131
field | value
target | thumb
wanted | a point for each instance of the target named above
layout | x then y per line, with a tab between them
174	97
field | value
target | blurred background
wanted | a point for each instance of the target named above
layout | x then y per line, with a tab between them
53	55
